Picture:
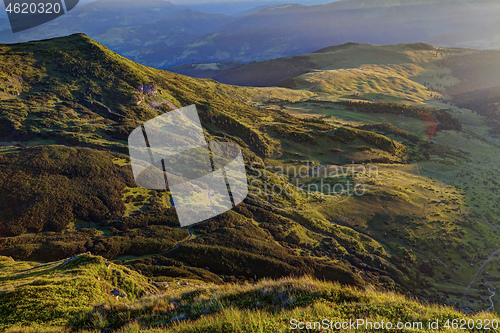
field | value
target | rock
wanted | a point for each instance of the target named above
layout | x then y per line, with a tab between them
138	99
123	295
148	89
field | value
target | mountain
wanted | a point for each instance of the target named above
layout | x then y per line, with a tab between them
96	17
69	138
483	36
252	10
163	34
125	26
471	77
203	70
473	69
289	30
363	170
168	31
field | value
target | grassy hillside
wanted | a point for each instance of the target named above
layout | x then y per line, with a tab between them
68	104
407	93
112	297
34	294
403	73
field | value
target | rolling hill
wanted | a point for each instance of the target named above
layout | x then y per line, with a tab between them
377	121
402	68
60	131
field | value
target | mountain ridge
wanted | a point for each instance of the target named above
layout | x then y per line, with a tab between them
279	31
68	105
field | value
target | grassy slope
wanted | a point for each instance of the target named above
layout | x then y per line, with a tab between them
48	294
43	299
407	73
365	244
444	207
65	88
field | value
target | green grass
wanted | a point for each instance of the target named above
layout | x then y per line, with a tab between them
48	294
370	83
269	305
394	237
340	115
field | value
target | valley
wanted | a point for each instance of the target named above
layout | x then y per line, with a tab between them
425	225
447	190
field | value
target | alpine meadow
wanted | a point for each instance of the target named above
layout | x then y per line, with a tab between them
373	176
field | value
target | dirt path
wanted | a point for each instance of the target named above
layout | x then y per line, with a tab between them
314	85
181	241
479	271
491	225
439	260
485	224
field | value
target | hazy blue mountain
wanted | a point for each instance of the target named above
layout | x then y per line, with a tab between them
294	29
205	70
96	17
252	10
125	26
168	31
162	34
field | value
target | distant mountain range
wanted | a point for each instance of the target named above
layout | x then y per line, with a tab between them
294	29
163	34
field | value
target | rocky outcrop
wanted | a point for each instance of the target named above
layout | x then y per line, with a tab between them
148	89
118	293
